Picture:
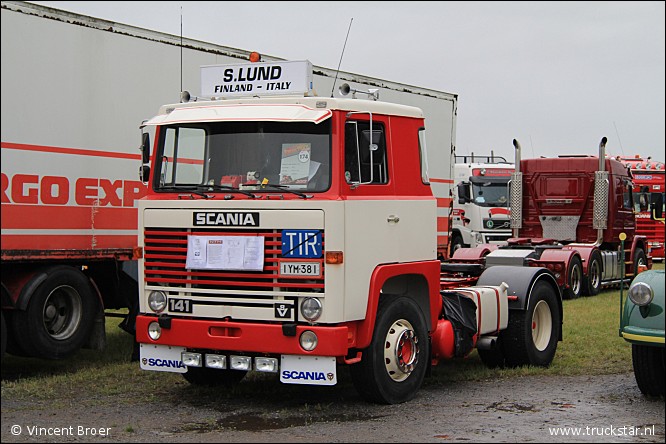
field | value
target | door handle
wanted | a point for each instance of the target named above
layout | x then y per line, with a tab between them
393	219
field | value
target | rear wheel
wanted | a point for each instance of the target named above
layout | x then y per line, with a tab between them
213	377
531	336
574	278
592	282
394	365
648	369
59	316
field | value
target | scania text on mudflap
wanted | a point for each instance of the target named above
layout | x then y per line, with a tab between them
295	234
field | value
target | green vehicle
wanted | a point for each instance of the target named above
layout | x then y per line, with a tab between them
642	324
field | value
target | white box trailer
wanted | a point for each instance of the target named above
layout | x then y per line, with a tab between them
74	91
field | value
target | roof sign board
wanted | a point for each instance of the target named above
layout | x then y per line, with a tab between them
252	79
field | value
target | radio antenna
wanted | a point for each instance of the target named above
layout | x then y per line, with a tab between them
181	49
343	53
618	138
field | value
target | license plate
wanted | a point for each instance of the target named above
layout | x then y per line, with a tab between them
161	358
309	370
292	268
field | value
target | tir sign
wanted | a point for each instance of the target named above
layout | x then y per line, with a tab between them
301	243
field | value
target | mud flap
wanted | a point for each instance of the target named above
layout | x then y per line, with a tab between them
461	312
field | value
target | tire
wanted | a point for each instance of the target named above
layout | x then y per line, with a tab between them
393	367
59	316
592	281
531	336
639	259
213	377
574	279
648	369
456	243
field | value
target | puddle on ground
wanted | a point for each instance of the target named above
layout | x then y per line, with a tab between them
257	421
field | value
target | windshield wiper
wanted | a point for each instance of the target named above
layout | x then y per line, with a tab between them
226	188
284	188
185	190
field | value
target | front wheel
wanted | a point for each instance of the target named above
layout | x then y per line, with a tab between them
394	365
531	336
648	369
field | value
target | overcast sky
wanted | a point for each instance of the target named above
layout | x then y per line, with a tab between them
557	76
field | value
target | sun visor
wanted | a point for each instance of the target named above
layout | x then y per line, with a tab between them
242	112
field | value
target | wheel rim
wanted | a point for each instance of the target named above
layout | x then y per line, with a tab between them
401	350
595	273
62	312
576	278
542	325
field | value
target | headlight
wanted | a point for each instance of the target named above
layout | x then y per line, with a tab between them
154	331
641	294
311	309
308	340
157	301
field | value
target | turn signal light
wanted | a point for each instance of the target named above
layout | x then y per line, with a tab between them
334	257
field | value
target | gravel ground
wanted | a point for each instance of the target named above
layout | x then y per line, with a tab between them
606	408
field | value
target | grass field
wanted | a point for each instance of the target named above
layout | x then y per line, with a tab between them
591	345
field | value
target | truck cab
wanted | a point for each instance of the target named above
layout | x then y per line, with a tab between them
480	201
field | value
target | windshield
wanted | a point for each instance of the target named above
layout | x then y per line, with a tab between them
224	156
490	193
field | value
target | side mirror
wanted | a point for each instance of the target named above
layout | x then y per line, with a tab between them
657	206
144	170
463	193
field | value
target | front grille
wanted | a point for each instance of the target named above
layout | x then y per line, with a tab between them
165	254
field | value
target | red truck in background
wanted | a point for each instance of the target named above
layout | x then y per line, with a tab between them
649	185
567	214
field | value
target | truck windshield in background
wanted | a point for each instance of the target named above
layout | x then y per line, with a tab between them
489	192
293	155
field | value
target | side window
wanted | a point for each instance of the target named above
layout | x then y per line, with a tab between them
627	195
183	156
365	153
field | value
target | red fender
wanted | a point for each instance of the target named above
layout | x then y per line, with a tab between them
430	270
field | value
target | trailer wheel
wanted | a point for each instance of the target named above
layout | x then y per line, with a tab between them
213	377
394	365
59	316
531	336
592	282
648	369
574	278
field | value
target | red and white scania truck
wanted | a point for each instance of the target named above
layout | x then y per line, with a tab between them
567	214
298	234
480	201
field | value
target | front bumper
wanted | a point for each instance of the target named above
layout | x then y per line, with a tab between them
244	336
